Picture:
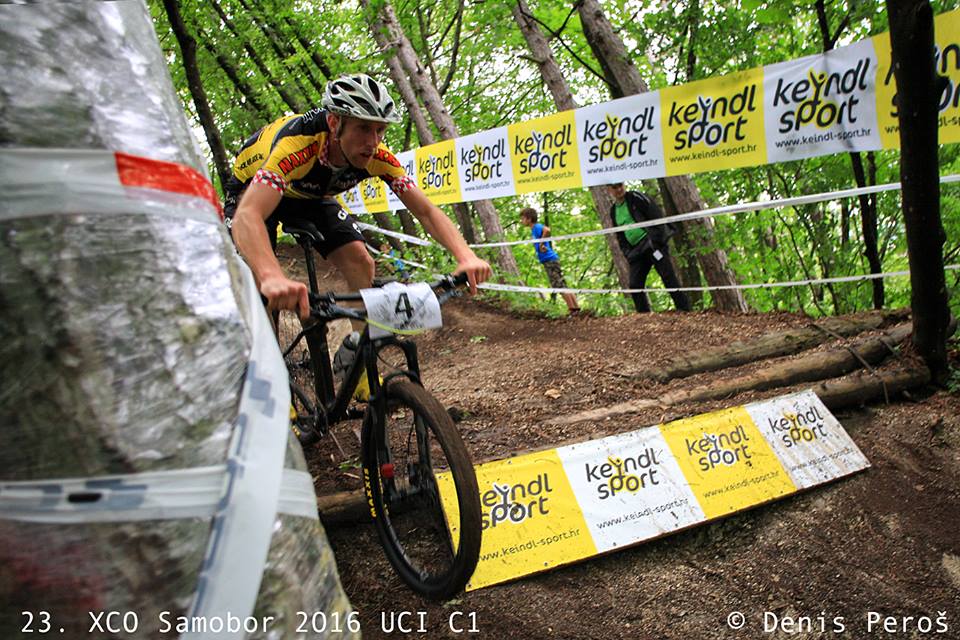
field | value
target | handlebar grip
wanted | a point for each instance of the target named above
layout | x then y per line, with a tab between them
460	279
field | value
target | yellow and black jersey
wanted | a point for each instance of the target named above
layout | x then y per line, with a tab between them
290	155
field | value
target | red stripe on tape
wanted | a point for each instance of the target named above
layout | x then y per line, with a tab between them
136	171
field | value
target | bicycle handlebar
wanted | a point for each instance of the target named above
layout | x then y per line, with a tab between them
324	305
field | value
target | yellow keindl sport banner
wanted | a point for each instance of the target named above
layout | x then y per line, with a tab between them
555	507
714	124
437	173
374	194
531	521
728	464
544	153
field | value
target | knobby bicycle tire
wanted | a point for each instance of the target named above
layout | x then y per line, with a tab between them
411	528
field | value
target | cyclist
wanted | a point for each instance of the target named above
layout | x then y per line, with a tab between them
295	165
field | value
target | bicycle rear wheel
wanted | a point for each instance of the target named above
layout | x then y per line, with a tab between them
409	456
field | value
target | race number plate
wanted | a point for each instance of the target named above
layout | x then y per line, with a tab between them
407	308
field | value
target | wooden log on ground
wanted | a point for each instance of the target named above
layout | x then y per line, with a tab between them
343	507
807	368
770	345
814	366
865	386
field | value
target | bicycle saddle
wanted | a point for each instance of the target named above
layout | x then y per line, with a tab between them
302	228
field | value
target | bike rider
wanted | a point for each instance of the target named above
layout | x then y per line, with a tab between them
295	165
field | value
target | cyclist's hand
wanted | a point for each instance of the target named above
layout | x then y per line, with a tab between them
284	294
477	271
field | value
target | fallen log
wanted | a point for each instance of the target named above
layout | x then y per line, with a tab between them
771	345
812	367
865	386
343	507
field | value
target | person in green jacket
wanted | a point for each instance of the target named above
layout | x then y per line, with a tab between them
645	248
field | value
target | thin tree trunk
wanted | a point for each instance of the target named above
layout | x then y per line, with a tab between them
295	105
311	49
868	206
868	226
563	98
685	251
282	57
684	195
911	38
188	50
243	87
424	132
387	20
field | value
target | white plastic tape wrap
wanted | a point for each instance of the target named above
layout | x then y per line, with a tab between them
146	464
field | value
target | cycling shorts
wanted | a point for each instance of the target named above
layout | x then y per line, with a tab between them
337	226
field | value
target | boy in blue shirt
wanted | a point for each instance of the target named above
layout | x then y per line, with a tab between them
548	257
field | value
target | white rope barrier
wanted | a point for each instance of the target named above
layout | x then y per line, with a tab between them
492	286
693	215
394	234
762	285
723	211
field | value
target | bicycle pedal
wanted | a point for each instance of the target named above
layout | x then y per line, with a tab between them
305	438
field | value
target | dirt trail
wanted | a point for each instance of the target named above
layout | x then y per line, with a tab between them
886	540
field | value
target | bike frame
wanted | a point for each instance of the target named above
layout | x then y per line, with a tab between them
335	404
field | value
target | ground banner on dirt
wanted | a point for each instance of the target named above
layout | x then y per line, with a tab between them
552	508
840	101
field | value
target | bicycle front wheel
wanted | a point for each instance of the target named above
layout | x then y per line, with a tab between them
416	467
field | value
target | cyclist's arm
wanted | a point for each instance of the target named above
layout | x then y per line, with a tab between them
546	232
440	228
250	236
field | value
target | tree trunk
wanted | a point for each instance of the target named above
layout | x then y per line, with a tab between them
563	98
188	50
386	20
684	195
275	40
311	49
424	132
243	87
868	226
780	343
868	205
295	105
911	38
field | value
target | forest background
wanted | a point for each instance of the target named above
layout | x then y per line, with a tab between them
238	64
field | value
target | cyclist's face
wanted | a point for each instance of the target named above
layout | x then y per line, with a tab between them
359	140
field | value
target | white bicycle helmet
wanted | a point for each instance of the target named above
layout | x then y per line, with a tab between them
360	96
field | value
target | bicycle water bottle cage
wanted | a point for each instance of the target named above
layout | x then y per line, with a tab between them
303	230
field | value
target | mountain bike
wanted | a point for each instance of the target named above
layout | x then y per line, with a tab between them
415	465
